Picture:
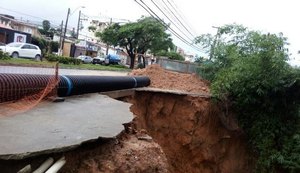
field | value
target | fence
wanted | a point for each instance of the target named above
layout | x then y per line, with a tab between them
179	66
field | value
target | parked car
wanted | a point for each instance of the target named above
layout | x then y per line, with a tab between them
112	59
25	50
98	60
85	59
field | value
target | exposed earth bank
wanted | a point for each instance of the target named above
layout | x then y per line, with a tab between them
195	134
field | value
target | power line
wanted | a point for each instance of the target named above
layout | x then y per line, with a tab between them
107	17
171	30
154	15
175	7
178	19
54	24
171	20
27	14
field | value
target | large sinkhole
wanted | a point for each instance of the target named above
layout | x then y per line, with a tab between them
194	134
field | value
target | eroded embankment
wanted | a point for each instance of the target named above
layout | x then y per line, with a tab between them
191	133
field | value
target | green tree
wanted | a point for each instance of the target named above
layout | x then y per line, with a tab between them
222	48
171	55
46	25
47	30
251	74
92	28
73	33
147	34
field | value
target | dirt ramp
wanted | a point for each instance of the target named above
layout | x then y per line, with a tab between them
164	79
191	133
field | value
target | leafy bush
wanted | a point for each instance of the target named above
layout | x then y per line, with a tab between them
171	55
44	45
118	66
4	55
41	43
249	71
62	59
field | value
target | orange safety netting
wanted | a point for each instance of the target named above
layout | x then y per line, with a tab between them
21	100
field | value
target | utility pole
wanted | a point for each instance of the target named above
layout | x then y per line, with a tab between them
79	19
107	46
60	36
212	48
66	25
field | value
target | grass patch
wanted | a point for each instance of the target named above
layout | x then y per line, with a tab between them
44	63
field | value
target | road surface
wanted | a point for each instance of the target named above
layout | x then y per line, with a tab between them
54	127
39	70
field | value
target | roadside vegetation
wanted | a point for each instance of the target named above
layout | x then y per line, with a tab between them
64	62
171	55
4	56
249	74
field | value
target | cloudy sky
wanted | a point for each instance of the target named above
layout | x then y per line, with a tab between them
266	15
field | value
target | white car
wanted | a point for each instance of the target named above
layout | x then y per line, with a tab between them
25	50
85	59
98	60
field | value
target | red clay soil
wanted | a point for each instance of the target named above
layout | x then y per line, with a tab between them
165	79
195	135
125	154
130	152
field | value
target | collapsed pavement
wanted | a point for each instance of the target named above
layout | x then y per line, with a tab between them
193	134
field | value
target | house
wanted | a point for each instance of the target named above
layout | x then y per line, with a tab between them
88	34
87	48
12	30
26	27
18	25
8	35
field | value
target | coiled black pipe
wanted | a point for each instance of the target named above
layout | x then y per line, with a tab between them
16	86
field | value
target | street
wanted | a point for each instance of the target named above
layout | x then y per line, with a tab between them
49	71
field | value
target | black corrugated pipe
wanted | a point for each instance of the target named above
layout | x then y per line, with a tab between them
75	85
16	86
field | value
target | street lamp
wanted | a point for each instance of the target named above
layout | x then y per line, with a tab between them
66	25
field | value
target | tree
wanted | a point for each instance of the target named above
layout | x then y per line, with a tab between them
92	28
47	30
251	75
147	34
73	33
171	55
46	25
222	48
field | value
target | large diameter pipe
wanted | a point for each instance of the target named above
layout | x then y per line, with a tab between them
75	85
16	86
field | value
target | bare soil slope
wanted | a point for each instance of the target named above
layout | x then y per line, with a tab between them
193	133
164	79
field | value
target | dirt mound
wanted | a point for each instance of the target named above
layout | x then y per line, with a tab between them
125	154
161	78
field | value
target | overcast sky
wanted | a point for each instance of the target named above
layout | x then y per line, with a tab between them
266	15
